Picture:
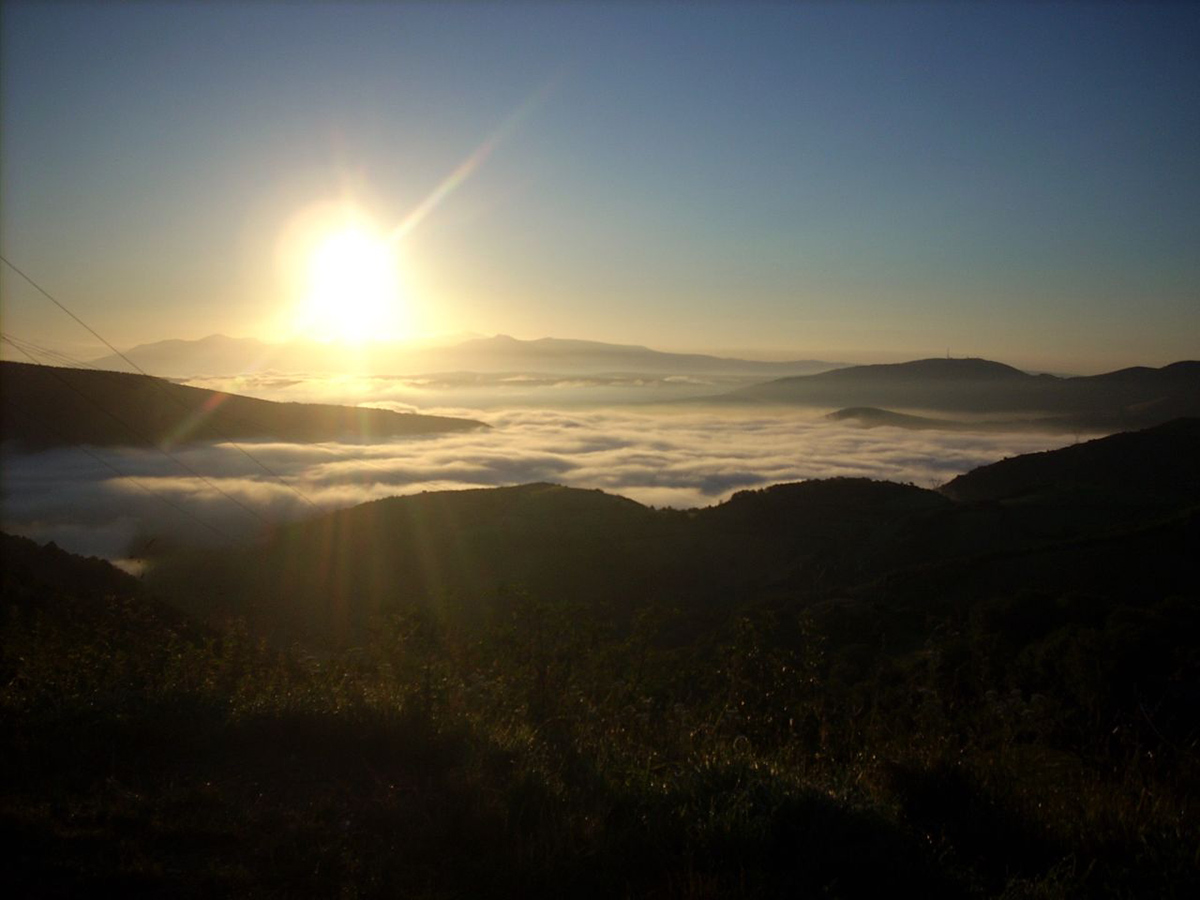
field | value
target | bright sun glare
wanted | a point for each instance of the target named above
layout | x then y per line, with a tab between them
352	284
347	273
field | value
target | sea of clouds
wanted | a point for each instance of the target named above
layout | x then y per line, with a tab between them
114	502
474	391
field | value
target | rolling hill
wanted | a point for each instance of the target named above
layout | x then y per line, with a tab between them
462	553
46	406
1128	398
1159	461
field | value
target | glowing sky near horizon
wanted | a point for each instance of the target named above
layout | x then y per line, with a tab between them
843	181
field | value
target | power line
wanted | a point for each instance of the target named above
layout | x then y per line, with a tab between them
25	345
41	290
133	431
159	385
149	490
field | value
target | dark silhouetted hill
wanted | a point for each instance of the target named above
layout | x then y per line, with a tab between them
46	406
455	552
461	553
27	567
937	369
951	384
872	417
1163	461
46	587
464	554
1129	398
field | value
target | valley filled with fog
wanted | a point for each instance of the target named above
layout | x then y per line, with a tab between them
110	501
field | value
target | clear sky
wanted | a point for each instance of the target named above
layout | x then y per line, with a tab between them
847	181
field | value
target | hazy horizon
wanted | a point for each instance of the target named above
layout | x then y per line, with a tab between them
91	351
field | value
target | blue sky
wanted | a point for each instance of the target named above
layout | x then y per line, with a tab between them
850	181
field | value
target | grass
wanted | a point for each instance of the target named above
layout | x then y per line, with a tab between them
546	757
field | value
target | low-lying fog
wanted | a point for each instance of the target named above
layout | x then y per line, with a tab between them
681	457
474	391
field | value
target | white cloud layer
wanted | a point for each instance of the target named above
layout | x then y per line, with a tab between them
679	459
474	390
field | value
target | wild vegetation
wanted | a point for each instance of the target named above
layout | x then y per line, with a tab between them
900	692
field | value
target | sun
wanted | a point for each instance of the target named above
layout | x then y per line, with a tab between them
348	274
344	276
353	288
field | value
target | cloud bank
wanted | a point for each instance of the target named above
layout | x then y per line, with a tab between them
115	502
476	390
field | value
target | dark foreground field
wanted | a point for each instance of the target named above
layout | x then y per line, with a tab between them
1012	723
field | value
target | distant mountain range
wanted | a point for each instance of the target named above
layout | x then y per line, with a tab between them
1128	398
220	355
45	406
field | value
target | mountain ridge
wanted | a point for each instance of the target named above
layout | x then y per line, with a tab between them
1136	397
1159	460
46	406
